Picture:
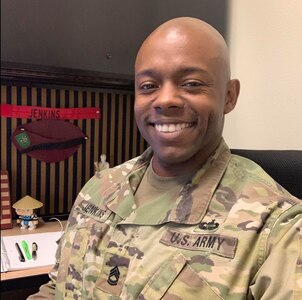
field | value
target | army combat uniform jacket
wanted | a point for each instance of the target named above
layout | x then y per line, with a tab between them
232	233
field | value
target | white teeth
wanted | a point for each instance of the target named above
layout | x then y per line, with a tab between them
178	127
165	128
171	127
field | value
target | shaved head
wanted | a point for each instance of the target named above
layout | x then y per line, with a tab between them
187	29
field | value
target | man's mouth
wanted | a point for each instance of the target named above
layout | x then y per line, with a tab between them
173	127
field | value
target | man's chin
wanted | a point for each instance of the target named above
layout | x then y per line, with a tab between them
172	158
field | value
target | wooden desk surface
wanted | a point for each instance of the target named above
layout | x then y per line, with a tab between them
41	228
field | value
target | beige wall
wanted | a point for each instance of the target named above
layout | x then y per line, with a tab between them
265	39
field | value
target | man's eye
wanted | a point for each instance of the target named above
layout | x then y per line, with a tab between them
193	84
147	86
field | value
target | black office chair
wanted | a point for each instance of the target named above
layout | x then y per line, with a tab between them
285	166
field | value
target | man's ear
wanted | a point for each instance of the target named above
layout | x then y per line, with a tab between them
232	94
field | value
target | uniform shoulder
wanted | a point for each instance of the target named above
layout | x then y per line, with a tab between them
109	175
125	167
253	175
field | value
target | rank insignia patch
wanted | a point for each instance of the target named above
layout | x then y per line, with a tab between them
114	276
113	273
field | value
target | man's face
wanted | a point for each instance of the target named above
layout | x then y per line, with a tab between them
180	90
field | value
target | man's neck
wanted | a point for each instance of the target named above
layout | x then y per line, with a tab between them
194	163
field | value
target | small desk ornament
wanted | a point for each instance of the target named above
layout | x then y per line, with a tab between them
101	165
25	208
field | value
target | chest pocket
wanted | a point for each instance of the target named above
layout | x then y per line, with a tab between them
177	280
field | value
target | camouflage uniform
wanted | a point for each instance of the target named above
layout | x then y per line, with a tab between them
232	233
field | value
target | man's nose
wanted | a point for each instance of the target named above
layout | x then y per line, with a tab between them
168	97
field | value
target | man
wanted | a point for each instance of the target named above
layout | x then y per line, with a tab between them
186	219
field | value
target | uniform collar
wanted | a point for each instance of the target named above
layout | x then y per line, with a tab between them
195	196
193	199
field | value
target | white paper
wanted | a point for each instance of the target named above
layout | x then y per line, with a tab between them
4	258
47	246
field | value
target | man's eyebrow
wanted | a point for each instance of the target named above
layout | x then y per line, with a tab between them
189	70
182	71
147	73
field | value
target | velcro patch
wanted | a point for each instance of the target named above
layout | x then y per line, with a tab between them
89	209
219	244
113	274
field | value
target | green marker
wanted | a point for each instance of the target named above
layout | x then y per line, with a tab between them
26	249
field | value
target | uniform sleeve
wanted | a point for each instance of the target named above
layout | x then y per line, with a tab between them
47	291
280	274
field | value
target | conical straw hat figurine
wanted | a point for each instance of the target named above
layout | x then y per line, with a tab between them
25	209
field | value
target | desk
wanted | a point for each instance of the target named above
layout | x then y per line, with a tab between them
21	279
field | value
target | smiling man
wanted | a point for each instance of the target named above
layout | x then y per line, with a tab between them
183	89
186	219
